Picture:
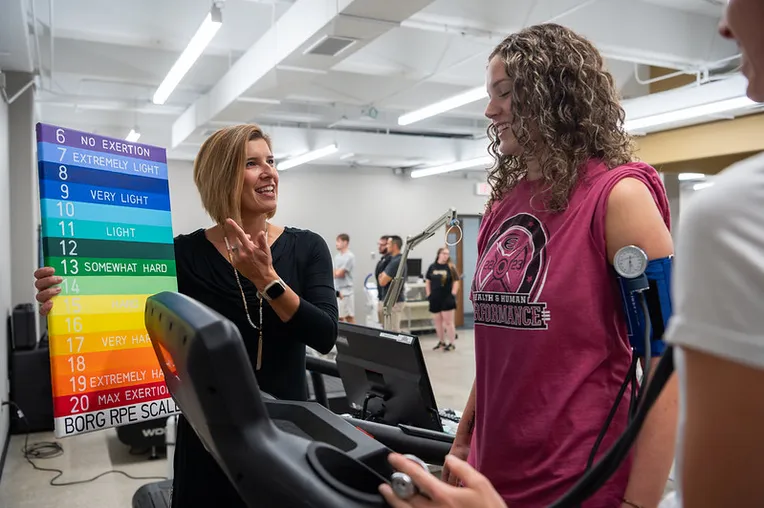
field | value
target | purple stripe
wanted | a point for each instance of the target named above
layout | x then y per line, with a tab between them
78	139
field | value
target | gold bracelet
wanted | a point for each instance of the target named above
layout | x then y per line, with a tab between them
633	505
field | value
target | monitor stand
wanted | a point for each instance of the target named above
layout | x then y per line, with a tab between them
374	406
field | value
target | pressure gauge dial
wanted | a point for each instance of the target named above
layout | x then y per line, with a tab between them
630	262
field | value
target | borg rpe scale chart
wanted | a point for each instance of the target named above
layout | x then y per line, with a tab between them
107	231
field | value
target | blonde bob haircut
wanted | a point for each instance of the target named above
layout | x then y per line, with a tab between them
219	170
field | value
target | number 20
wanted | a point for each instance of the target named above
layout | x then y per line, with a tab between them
81	403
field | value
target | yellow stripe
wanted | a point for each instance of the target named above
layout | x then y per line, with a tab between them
66	345
94	323
98	304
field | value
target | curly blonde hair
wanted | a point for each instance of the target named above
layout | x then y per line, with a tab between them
565	110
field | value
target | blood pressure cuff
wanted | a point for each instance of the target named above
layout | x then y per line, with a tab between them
658	298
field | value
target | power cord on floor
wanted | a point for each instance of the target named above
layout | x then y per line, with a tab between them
50	449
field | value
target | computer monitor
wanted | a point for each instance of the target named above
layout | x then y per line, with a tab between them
385	377
413	267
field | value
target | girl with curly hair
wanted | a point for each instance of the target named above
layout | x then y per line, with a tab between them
551	341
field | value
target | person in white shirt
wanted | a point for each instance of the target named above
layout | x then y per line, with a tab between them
718	322
344	262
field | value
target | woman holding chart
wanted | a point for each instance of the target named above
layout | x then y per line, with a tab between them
274	283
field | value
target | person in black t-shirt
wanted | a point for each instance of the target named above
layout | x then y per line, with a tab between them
441	287
394	245
239	266
384	259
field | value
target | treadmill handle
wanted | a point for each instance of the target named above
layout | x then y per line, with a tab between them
322	366
426	433
430	446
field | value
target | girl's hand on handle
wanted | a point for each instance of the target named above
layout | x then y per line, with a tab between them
476	490
46	282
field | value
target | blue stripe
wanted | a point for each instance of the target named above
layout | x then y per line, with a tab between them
74	174
58	209
64	191
66	155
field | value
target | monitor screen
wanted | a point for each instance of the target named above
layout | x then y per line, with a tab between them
413	267
385	377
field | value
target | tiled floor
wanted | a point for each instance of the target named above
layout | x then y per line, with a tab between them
85	456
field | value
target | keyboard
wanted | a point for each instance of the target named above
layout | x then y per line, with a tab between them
450	415
450	419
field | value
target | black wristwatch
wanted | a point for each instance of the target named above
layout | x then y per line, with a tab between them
273	290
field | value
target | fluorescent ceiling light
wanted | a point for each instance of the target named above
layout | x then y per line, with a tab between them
133	136
679	115
719	102
258	100
196	45
701	186
454	102
306	70
307	157
454	166
683	177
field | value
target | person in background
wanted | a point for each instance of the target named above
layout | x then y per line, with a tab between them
551	343
274	283
384	258
441	287
394	246
344	263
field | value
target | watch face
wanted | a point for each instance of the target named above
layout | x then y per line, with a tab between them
275	290
630	262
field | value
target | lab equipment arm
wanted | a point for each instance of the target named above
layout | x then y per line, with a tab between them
396	285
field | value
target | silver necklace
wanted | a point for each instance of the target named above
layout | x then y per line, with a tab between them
244	301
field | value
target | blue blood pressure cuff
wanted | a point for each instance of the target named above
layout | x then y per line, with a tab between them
655	286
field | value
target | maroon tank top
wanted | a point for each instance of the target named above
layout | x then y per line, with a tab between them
550	340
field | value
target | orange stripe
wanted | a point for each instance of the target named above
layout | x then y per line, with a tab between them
95	363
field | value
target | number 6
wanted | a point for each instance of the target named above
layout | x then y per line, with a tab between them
60	138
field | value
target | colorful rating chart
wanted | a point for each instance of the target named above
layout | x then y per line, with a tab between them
107	230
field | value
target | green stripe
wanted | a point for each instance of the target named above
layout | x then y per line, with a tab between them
85	286
80	266
52	247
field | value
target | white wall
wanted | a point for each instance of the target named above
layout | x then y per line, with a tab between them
24	200
331	201
5	269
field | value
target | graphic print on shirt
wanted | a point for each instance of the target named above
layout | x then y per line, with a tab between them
510	276
443	274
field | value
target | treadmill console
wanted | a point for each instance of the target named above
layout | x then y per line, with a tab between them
312	457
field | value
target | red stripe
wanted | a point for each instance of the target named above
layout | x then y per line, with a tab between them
106	399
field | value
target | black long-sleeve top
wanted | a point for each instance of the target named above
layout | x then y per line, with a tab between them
303	261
